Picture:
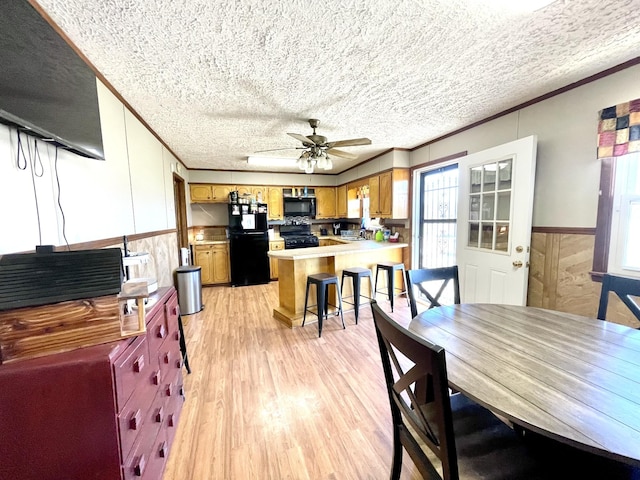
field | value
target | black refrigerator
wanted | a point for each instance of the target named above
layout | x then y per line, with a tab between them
248	244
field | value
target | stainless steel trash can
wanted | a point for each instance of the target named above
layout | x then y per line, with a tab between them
189	279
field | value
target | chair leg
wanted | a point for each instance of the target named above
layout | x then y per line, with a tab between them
396	465
320	295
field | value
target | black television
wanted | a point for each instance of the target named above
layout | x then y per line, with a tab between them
46	89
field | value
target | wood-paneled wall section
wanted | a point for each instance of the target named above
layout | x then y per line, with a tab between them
559	278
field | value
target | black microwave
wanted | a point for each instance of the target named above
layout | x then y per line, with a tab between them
299	206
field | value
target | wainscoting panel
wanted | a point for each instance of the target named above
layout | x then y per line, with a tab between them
559	277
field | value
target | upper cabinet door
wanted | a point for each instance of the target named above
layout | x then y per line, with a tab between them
325	202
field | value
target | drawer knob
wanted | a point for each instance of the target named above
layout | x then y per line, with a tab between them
134	421
138	364
162	332
156	378
159	415
162	451
139	468
170	421
169	390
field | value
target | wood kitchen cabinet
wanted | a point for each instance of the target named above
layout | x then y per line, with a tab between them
200	193
259	192
325	202
274	204
103	412
210	193
273	262
389	194
213	260
341	202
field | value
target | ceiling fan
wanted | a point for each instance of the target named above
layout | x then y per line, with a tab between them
316	149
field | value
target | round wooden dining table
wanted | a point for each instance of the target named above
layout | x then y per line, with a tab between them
572	378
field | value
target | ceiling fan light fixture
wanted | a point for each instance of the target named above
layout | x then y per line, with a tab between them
271	161
328	164
309	167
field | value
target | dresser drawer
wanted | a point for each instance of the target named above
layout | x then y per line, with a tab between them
132	368
157	458
157	331
174	400
135	416
141	455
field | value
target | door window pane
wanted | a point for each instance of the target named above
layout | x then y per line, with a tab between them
488	202
474	234
504	206
476	179
504	174
502	237
486	239
489	180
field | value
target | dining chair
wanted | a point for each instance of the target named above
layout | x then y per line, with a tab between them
626	288
450	437
429	284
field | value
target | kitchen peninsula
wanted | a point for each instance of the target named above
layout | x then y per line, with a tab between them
294	265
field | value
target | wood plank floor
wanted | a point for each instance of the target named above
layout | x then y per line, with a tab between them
265	401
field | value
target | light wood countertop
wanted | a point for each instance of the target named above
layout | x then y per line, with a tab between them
348	248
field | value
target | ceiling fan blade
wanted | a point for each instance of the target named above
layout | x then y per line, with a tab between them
349	143
276	149
302	138
342	153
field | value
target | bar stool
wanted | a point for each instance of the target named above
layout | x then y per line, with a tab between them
322	282
356	274
392	291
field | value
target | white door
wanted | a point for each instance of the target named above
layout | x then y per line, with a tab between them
494	222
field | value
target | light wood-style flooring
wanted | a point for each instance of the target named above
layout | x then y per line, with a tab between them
265	401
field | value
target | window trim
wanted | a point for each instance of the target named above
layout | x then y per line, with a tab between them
603	219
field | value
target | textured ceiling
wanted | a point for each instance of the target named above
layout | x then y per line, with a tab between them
219	80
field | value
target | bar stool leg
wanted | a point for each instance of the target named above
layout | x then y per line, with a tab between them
339	294
391	280
320	296
356	295
306	301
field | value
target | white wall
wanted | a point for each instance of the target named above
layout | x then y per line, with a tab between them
130	192
568	173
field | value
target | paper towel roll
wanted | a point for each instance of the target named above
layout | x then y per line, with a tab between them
184	255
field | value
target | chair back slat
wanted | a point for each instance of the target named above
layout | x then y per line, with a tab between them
431	284
625	288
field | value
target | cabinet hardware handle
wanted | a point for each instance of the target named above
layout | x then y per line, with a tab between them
134	421
156	378
138	364
159	415
170	421
161	331
169	390
139	468
167	358
163	450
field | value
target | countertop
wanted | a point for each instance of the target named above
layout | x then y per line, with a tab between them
350	247
210	242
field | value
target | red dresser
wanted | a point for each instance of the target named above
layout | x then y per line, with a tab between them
104	412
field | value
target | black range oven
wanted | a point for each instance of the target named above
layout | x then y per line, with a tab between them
298	236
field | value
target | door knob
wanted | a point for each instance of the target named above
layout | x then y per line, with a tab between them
517	264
